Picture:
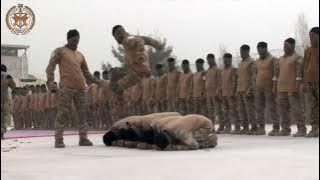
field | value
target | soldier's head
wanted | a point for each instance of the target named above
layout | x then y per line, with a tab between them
32	88
3	69
262	49
210	141
159	69
105	75
171	64
96	74
73	38
289	46
38	88
185	66
119	33
314	37
227	59
110	136
211	60
244	51
199	64
43	88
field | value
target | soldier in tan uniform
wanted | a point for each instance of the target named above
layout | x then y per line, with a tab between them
213	92
160	94
264	97
228	88
6	82
136	99
74	73
148	94
288	73
172	79
311	80
185	89
42	102
198	89
245	90
138	60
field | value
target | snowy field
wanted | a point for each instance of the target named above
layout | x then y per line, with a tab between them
235	158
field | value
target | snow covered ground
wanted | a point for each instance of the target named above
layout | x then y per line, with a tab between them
235	158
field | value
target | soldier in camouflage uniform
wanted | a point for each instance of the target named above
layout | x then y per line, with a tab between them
288	73
311	80
172	83
6	82
160	94
185	89
228	88
198	89
245	90
74	74
264	97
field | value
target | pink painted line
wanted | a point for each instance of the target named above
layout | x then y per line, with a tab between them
41	133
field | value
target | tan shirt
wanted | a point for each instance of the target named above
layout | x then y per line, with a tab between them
185	85
148	88
136	92
172	79
311	65
246	75
161	84
228	81
198	84
104	92
265	72
289	72
212	81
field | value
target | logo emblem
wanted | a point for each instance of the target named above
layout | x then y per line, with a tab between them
20	19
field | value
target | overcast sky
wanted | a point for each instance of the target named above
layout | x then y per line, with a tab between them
193	27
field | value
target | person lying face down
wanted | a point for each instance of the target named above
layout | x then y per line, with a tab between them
188	132
130	129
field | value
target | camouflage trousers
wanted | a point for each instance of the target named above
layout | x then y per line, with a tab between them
129	80
289	104
214	105
265	102
246	110
185	106
312	98
199	106
172	104
230	112
65	98
161	105
5	113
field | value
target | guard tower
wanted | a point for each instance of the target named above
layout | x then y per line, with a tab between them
15	58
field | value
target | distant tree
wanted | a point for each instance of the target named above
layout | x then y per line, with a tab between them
222	51
106	66
302	33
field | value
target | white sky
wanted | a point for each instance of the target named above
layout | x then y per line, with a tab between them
193	27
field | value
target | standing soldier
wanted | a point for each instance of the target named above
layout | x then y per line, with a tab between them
245	88
228	87
264	97
74	73
172	79
213	78
103	98
161	84
185	89
148	94
6	82
311	80
42	102
198	89
289	75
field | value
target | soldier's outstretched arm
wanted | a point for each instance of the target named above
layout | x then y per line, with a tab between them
152	42
54	60
89	77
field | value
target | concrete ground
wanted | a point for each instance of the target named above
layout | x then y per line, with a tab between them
235	158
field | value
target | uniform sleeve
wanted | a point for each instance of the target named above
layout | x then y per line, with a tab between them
191	142
153	87
253	76
54	60
85	70
178	85
299	68
219	81
151	42
191	86
11	84
276	70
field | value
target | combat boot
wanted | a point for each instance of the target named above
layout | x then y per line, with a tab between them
236	130
244	130
84	141
260	131
252	130
275	130
59	140
220	129
313	133
284	132
226	130
302	132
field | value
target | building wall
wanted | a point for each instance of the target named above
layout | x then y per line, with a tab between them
16	66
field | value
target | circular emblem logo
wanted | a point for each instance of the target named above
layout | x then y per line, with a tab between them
20	19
